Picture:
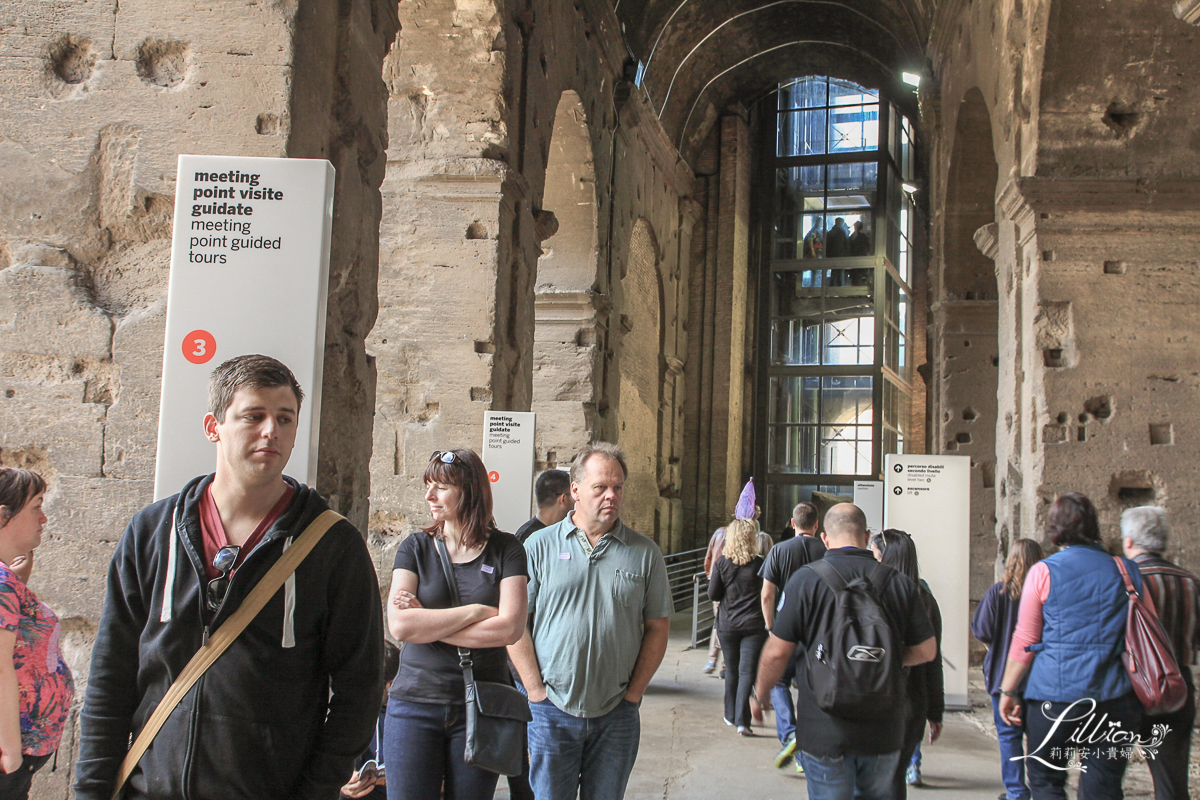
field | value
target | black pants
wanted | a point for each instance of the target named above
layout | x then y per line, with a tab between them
1169	767
741	651
914	730
1102	778
15	785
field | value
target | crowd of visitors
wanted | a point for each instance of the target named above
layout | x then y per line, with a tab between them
240	651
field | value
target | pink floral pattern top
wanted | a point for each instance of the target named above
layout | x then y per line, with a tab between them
45	681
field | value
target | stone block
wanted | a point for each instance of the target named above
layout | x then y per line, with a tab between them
86	519
54	419
45	311
131	434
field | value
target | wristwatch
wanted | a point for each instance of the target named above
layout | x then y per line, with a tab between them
1007	693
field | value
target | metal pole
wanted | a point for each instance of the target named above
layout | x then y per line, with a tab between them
695	609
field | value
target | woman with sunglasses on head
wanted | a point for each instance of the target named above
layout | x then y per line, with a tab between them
35	684
925	696
425	736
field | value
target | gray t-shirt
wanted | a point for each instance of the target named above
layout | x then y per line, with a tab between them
589	611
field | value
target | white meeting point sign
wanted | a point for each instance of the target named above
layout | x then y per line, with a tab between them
508	457
249	274
929	497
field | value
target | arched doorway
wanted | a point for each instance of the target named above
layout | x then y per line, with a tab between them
966	344
565	338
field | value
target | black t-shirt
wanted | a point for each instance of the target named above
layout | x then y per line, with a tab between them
429	673
739	590
788	556
806	609
528	529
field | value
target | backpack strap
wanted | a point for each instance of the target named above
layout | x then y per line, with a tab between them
828	573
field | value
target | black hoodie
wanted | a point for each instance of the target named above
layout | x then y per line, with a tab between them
283	713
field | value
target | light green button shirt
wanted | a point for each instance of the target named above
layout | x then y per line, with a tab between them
589	611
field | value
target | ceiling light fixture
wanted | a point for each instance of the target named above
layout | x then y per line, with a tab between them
911	78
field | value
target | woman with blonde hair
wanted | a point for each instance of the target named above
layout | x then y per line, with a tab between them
993	624
737	586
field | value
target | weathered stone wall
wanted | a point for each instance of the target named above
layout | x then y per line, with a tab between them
980	118
99	99
474	190
1095	216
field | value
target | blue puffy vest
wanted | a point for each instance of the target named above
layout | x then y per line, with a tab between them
1083	631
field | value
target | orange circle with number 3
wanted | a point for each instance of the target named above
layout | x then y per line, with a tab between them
199	347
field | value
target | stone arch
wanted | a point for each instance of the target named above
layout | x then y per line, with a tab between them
968	274
969	341
640	370
566	340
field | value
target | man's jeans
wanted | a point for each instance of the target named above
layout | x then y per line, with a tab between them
849	777
589	756
1012	744
781	698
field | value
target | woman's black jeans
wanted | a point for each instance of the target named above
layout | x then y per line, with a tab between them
1103	757
741	649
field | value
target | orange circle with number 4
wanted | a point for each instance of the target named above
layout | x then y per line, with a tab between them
493	476
199	346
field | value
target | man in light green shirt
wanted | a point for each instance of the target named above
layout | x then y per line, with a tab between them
600	608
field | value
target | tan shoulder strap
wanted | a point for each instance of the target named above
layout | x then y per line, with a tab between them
263	591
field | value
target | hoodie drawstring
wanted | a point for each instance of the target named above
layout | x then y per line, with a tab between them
289	605
168	600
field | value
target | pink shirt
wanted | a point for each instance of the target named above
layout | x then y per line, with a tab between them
45	682
1029	616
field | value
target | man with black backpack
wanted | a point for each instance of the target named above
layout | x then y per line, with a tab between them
857	624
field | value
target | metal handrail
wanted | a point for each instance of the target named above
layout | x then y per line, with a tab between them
702	613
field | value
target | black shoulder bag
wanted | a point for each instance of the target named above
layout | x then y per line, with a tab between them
496	713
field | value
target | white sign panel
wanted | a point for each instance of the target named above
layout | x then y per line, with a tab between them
929	497
508	456
249	274
868	495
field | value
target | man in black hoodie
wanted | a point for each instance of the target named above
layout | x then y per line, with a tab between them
284	712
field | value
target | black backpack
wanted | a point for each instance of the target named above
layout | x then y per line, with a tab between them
856	663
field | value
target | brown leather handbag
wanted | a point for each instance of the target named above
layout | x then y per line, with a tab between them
1149	658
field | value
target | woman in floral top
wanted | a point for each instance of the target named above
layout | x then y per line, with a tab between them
35	684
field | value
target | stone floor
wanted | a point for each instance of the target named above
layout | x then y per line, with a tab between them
687	753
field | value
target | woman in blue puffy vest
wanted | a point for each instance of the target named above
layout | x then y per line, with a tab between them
1069	637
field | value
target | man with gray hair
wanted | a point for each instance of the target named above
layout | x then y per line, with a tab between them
1145	532
599	608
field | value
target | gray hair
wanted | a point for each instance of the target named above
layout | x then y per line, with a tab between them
1147	527
603	449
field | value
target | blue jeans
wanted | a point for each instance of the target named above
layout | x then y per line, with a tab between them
423	746
1012	744
589	756
741	666
781	698
849	777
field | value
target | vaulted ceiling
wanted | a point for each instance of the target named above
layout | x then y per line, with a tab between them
698	56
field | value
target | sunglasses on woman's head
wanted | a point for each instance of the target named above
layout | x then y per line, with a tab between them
444	456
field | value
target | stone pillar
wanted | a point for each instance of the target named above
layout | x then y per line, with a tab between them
99	102
729	318
1111	346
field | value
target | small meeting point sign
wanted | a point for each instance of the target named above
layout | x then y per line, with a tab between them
508	458
249	274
